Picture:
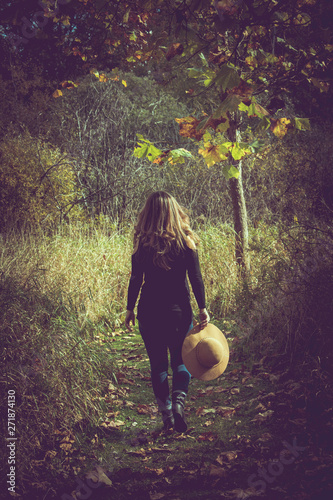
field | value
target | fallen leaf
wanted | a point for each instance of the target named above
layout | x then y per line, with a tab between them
158	472
174	50
156	496
235	371
208	423
207	436
137	453
143	409
127	381
299	421
99	476
240	494
266	436
226	456
204	411
225	411
115	424
217	471
221	389
260	406
262	417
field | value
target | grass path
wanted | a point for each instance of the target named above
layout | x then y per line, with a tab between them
252	434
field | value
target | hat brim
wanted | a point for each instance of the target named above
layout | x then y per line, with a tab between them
189	354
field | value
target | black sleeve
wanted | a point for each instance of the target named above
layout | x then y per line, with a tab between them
134	283
194	274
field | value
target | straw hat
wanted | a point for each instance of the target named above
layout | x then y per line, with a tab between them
205	352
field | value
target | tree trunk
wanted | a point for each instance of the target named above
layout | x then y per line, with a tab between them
239	207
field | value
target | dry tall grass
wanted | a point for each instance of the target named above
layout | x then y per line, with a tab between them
90	268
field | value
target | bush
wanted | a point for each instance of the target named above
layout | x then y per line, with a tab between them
287	310
37	182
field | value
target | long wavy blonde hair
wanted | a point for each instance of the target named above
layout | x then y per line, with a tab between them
163	225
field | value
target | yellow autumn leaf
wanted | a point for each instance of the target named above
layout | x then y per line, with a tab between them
124	83
251	61
65	21
66	446
211	155
280	127
57	93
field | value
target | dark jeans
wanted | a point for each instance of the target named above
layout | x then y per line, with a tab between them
158	340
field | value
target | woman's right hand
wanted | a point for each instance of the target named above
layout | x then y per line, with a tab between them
204	318
130	318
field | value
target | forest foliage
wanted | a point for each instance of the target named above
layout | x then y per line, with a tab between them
221	82
79	163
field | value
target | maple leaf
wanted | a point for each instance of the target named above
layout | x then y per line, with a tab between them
221	124
188	127
227	77
244	91
211	155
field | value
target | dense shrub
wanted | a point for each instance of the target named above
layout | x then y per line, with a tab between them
286	312
293	179
37	183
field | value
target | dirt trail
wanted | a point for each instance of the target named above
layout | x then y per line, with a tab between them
253	433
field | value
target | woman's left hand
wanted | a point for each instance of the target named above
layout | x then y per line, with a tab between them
130	318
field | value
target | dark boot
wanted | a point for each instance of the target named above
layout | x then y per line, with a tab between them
178	403
168	420
165	408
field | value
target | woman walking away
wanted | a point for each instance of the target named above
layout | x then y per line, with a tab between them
164	252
